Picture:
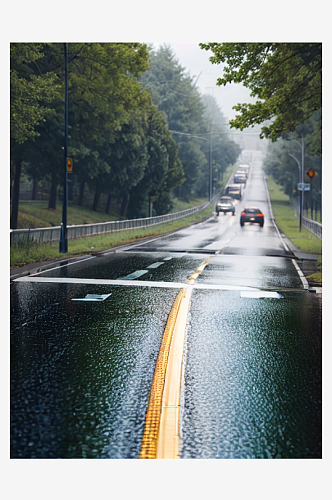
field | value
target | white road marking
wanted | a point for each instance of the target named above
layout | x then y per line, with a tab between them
261	294
155	265
134	275
300	273
156	284
64	265
90	297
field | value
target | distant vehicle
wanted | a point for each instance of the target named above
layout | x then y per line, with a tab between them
253	216
245	172
235	191
245	167
225	204
240	177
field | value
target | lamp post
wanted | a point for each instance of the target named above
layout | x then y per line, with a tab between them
63	243
301	177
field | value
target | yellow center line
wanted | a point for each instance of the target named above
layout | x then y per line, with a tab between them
161	431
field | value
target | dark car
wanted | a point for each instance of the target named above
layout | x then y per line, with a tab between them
240	178
252	215
235	191
225	204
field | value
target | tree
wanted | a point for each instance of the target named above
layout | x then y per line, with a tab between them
174	93
103	92
224	150
106	97
286	79
31	94
29	91
283	163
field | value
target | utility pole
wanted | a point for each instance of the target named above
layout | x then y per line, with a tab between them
63	243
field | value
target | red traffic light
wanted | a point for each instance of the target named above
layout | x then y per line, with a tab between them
311	173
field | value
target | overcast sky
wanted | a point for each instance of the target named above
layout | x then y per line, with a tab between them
196	62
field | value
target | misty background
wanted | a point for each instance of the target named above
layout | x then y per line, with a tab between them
197	65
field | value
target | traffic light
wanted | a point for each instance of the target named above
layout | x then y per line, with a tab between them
311	173
69	165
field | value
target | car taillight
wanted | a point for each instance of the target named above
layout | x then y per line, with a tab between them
260	215
243	213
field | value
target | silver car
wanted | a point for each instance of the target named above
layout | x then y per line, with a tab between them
225	204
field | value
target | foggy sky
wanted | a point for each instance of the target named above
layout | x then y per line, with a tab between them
196	63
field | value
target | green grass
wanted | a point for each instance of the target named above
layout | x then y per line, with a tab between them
288	222
37	214
29	253
180	205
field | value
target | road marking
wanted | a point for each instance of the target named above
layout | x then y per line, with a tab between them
90	297
300	273
155	265
161	432
64	265
168	443
261	294
153	414
134	275
123	282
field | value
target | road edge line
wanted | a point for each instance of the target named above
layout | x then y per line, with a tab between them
301	275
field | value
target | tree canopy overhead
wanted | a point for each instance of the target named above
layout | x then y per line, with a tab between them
286	79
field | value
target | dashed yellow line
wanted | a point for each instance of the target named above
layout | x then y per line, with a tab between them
161	431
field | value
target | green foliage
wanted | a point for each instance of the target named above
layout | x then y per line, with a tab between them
172	90
288	223
30	93
175	94
224	151
284	163
163	170
286	79
117	138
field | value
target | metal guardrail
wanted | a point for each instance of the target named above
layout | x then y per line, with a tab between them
50	234
310	224
313	226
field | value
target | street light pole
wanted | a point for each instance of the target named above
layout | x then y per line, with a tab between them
301	178
301	167
63	244
211	183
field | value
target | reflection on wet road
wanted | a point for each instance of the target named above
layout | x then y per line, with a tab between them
81	371
252	377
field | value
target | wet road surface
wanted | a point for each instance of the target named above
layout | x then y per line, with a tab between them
81	371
